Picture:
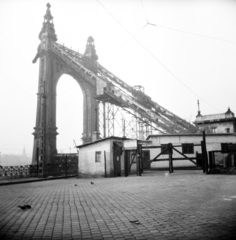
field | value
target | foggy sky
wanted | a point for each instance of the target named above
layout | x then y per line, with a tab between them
186	52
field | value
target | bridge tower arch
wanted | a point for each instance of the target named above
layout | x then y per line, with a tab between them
51	68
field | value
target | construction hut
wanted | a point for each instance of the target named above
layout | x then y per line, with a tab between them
102	158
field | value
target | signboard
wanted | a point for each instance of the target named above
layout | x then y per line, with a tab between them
130	144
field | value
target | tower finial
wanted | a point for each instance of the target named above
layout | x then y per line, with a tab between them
199	112
48	25
47	33
90	51
48	17
90	55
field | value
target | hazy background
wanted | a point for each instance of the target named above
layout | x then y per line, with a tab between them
189	54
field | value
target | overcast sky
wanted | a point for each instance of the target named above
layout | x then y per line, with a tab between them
186	52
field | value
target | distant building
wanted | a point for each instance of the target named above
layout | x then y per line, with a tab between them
216	123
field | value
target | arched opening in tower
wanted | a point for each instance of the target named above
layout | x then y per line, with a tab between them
69	114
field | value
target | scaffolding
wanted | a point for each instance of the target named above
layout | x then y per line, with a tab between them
115	121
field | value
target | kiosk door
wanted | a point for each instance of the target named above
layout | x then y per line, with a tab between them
117	152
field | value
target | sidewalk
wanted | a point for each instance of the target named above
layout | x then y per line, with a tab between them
183	205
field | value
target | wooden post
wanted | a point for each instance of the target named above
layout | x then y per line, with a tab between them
66	166
141	158
138	161
105	164
205	152
211	162
203	157
126	163
170	158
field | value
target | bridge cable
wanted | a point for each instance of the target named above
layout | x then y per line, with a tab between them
167	69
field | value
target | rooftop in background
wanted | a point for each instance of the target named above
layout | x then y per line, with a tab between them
215	117
188	135
216	123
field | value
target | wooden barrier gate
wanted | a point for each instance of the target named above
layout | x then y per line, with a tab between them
201	160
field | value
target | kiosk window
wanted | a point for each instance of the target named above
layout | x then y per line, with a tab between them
98	156
187	148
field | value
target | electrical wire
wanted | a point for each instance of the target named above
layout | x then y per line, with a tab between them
126	42
144	11
183	31
154	57
195	34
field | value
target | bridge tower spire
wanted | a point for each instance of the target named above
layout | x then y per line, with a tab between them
45	129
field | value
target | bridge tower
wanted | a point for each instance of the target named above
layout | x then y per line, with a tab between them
51	68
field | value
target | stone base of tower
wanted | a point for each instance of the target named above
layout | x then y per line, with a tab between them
96	136
86	140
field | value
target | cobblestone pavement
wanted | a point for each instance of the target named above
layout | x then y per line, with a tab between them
182	205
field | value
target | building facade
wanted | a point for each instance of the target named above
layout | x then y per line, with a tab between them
102	158
216	123
189	145
111	157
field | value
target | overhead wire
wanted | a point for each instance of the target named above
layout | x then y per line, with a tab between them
148	23
126	41
183	31
195	34
144	12
154	57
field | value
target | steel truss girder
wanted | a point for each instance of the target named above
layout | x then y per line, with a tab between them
162	119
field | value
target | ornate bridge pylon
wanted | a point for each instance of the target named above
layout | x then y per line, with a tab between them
106	98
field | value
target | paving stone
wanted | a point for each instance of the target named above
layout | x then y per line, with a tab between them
184	205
